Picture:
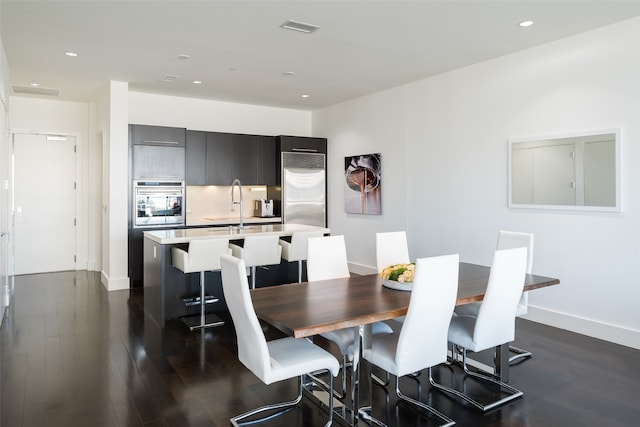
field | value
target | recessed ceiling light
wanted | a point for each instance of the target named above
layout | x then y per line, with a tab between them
300	26
71	54
197	82
288	73
526	23
304	96
233	69
183	56
34	84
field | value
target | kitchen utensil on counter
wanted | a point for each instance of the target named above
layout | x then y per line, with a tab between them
263	208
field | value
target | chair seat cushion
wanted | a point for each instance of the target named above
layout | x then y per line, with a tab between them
383	352
291	357
461	331
467	309
473	308
344	338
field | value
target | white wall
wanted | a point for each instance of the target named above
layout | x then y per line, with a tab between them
5	176
444	156
374	124
199	114
112	124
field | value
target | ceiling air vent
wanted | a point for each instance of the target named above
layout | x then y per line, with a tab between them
300	26
35	90
169	78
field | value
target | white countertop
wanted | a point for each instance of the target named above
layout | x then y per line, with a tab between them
175	236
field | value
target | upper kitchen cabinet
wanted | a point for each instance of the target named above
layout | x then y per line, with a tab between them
159	135
244	159
249	158
219	167
302	144
267	160
158	152
196	157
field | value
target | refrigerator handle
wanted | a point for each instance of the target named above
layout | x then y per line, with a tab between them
306	150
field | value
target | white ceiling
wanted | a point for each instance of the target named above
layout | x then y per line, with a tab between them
239	51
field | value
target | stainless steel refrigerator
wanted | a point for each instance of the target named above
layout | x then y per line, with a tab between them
303	188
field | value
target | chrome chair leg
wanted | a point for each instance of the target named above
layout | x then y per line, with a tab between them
446	421
336	394
253	277
205	320
520	355
237	421
513	392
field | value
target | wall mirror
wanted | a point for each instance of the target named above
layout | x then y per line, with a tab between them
578	171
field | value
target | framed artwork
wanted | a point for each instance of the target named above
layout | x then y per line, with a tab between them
362	178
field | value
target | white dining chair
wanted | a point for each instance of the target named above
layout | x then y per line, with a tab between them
422	340
392	248
296	249
509	240
494	323
327	259
270	361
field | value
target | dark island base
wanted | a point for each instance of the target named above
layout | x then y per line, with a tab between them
166	287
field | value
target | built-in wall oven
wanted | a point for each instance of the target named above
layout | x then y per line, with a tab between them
158	203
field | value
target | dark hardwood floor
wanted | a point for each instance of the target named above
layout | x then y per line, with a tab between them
76	355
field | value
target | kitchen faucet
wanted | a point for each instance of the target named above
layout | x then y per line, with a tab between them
233	201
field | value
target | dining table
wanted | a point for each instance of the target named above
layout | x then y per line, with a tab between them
310	308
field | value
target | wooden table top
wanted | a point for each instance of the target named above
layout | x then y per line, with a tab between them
306	309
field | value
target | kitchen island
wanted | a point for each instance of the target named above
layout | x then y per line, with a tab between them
166	287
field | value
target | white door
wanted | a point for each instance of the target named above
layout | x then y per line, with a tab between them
44	203
554	175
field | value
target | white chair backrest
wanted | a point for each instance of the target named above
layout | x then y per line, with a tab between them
391	248
252	344
514	239
423	337
327	258
495	324
299	243
204	255
261	250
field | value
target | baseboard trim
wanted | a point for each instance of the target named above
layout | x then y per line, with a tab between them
361	269
114	284
581	325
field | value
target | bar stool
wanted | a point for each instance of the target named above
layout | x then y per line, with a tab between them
258	251
201	256
296	250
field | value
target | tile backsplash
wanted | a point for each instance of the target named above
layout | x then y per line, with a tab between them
213	201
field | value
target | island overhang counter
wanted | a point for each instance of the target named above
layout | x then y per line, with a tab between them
165	287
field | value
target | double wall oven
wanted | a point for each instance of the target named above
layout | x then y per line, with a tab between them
158	203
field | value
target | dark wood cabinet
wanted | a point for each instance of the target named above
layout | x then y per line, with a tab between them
249	158
244	159
159	135
196	157
158	152
267	160
301	143
219	170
